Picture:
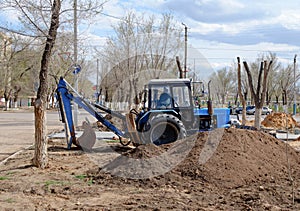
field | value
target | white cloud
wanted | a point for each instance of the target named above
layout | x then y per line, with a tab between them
220	55
290	19
230	6
146	4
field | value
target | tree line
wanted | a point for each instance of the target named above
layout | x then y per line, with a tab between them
279	89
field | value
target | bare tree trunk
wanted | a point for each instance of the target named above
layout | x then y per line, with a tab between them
268	98
242	98
257	117
53	100
41	156
17	89
258	95
246	96
284	97
7	97
236	98
179	67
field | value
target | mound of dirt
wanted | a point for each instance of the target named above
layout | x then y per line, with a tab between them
225	158
279	121
230	169
241	157
144	152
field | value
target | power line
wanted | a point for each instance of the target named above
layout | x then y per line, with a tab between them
112	16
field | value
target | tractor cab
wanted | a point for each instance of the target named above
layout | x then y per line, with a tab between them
171	96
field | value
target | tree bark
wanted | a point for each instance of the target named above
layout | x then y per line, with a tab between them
40	159
242	98
7	97
40	154
179	67
258	95
257	117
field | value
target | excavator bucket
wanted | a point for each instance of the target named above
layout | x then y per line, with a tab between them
134	136
88	138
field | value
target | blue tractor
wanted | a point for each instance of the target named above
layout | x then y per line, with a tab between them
171	111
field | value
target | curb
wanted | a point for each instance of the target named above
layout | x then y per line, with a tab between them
14	154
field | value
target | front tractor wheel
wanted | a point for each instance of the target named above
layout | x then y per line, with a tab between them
164	129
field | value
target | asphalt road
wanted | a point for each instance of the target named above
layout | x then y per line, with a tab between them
17	129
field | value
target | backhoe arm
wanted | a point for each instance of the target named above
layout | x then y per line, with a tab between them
65	97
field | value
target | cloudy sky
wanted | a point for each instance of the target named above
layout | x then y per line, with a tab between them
218	30
221	30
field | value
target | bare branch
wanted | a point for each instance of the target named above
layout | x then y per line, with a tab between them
259	78
266	72
31	21
249	79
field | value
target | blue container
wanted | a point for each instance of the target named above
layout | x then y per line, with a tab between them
200	111
222	115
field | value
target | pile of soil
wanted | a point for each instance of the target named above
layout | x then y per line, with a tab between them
230	169
144	151
279	121
250	122
224	162
239	158
242	157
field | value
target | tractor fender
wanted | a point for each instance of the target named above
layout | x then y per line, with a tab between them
143	119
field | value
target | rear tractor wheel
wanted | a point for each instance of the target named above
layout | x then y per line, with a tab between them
164	129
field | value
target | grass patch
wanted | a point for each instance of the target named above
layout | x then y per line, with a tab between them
10	173
90	182
85	177
3	178
54	182
9	200
6	177
50	183
80	176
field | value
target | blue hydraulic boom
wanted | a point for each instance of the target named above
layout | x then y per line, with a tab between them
65	97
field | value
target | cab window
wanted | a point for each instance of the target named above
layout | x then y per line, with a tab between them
181	96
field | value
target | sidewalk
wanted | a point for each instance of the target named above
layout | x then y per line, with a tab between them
17	130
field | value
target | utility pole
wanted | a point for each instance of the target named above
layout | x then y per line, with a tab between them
185	50
75	62
97	82
295	103
194	75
